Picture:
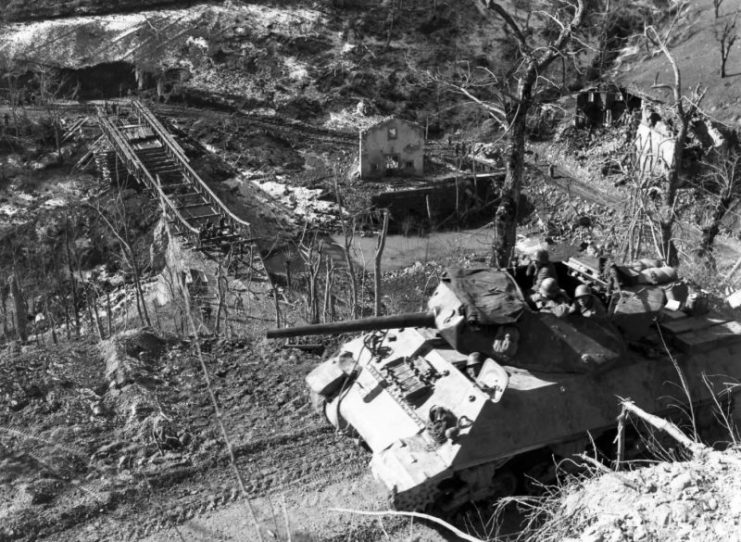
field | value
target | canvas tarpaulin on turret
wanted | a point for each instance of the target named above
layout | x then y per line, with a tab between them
490	296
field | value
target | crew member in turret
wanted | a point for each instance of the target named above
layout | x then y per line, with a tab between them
551	298
541	268
473	364
587	304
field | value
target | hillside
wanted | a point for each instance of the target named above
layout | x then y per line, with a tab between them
693	43
296	58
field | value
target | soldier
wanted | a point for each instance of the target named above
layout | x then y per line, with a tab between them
541	268
473	365
587	304
551	298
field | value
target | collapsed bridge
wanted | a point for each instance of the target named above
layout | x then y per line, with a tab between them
135	143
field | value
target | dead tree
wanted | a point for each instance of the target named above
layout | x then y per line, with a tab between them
19	307
377	263
328	309
49	90
73	281
131	259
348	233
719	188
514	96
685	108
716	7
222	285
726	36
311	253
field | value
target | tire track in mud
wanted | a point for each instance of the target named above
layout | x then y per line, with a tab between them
298	462
566	181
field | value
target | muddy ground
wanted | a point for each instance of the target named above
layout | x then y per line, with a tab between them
88	455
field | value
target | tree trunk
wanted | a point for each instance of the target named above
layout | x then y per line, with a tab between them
94	308
377	262
711	230
507	213
19	308
52	323
668	214
67	323
110	315
348	233
72	282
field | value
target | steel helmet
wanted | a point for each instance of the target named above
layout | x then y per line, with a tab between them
582	290
474	359
549	287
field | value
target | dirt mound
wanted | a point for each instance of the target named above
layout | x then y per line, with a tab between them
694	500
129	355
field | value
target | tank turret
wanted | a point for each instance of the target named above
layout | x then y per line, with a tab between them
481	392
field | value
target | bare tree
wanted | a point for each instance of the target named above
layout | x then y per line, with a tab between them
50	89
685	108
718	189
328	309
348	233
131	259
19	307
380	245
716	7
726	36
514	96
72	279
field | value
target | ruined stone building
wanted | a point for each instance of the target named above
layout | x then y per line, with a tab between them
392	147
655	141
603	106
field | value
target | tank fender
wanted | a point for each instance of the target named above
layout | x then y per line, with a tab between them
326	379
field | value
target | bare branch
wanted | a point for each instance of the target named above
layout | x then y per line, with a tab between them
497	113
564	36
507	18
460	534
666	426
677	87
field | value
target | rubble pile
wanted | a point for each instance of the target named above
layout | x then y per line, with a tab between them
694	500
559	217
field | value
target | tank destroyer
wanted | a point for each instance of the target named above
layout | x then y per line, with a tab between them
459	402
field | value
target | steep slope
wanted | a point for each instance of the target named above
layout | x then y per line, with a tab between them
298	58
697	52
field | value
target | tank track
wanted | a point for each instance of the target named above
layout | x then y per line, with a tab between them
308	459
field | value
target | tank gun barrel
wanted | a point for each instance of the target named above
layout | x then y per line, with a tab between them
414	319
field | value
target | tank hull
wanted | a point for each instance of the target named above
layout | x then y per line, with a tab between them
539	410
450	411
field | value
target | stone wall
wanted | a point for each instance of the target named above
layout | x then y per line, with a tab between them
392	147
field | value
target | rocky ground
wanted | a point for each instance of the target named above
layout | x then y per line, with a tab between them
120	437
696	499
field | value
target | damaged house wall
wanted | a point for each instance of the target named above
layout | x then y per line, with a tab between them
654	143
392	147
655	140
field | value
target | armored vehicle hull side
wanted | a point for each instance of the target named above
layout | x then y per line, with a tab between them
452	412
